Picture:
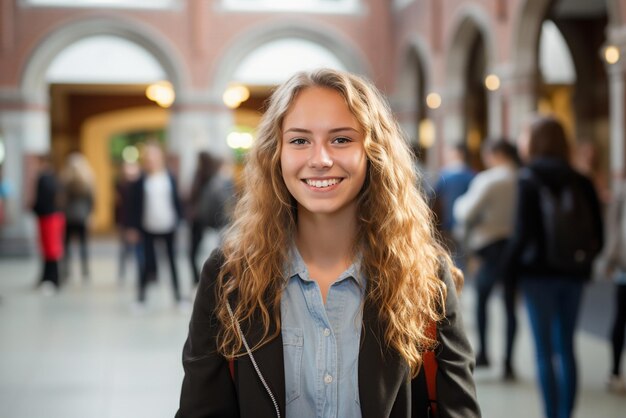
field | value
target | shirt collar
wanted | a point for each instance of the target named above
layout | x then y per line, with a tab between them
295	266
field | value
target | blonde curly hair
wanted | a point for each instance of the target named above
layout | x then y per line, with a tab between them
401	257
77	175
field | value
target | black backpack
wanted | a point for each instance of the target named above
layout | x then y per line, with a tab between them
572	239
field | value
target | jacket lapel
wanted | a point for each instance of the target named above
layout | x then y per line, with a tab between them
381	371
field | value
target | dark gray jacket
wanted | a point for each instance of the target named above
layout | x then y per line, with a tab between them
385	386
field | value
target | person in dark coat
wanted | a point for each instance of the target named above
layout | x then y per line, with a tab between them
51	225
155	216
552	293
207	168
129	174
78	196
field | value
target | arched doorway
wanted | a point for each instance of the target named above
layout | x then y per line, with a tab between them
90	68
578	96
409	102
465	97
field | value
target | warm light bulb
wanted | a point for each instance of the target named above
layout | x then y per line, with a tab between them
161	92
235	95
611	54
492	82
433	100
426	133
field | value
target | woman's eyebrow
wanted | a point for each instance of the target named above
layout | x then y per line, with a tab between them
332	131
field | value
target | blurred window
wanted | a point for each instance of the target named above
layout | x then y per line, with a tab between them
313	6
555	61
399	4
267	66
125	4
104	59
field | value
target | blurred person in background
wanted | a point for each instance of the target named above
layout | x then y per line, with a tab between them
129	173
77	185
485	215
155	215
613	265
587	160
5	192
454	180
551	276
208	204
51	224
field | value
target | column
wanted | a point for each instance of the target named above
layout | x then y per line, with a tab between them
617	112
25	130
451	128
519	100
196	124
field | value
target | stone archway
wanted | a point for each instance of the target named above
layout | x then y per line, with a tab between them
522	82
465	99
27	128
328	39
593	116
33	83
409	98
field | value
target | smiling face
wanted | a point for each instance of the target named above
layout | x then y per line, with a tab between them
322	156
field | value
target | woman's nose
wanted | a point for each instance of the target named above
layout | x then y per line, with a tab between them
320	157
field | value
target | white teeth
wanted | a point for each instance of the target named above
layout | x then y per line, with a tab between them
320	184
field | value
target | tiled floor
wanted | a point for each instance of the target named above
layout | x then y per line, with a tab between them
83	353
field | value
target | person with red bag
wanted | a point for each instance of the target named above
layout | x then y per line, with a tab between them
51	225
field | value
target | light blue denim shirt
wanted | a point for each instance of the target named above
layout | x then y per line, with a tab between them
321	343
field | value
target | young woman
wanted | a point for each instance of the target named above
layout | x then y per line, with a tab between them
78	188
319	300
539	255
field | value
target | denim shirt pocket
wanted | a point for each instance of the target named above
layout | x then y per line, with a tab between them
293	345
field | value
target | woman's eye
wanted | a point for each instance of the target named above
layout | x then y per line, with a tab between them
298	141
342	140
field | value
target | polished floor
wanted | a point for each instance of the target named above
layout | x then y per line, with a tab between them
86	353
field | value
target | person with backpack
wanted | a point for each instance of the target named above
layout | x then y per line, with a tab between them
321	298
557	234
